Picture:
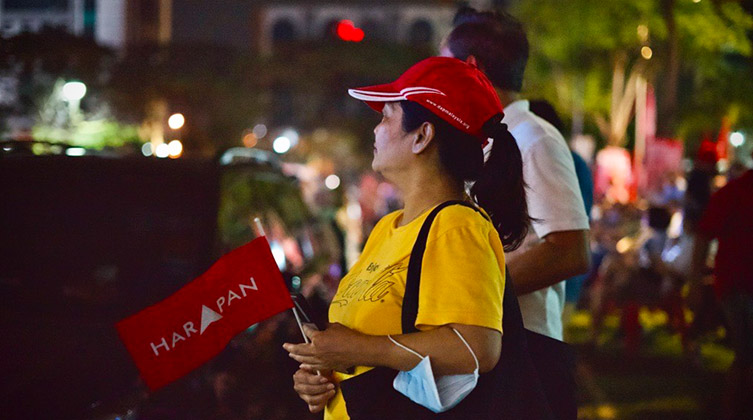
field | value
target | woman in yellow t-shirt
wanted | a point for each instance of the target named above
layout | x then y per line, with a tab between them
437	119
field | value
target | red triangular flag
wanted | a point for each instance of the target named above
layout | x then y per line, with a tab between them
173	337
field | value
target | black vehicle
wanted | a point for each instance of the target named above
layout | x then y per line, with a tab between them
88	240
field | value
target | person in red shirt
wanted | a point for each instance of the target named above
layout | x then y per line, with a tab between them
729	219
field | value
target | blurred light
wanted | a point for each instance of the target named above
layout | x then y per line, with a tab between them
720	180
335	270
737	139
279	254
647	52
260	130
624	244
39	148
696	1
175	149
307	247
75	151
643	32
281	145
295	282
320	135
292	135
74	91
354	211
146	149
163	150
332	182
347	31
176	121
722	165
674	230
250	140
671	254
606	411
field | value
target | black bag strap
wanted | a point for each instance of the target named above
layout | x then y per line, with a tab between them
413	280
512	322
511	391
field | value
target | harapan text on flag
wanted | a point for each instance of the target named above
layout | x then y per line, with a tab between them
171	338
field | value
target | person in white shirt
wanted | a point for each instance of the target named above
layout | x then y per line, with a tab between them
557	246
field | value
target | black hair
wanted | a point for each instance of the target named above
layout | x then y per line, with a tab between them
497	40
545	110
499	188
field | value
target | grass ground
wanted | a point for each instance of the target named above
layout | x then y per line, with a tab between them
658	382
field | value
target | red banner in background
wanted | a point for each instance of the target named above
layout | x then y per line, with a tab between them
663	157
614	174
722	140
173	337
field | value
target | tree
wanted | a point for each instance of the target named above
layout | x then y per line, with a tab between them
587	55
224	92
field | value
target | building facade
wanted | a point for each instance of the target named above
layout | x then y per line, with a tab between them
405	22
112	23
17	16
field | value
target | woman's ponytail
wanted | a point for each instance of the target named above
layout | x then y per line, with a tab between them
500	188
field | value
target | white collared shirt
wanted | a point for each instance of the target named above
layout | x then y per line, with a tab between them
554	198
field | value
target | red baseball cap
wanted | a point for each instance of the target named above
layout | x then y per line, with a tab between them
454	90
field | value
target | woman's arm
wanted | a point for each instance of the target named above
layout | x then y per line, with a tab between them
340	348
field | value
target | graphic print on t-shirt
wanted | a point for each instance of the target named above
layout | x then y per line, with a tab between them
368	287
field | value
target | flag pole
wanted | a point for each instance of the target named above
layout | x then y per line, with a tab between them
259	227
260	232
300	325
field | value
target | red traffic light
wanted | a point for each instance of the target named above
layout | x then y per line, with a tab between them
347	31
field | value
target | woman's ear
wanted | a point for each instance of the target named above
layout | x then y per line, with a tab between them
424	135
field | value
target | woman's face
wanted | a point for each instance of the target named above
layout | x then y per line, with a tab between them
392	145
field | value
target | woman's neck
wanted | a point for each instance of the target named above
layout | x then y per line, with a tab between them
425	190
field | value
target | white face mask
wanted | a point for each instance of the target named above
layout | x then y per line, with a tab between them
440	394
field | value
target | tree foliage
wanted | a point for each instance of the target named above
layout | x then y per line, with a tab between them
224	92
577	44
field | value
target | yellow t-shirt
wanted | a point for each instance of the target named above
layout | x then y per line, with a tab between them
462	280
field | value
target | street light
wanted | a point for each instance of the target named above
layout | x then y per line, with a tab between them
162	151
291	135
737	139
73	92
646	52
260	130
175	149
281	145
332	182
176	121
